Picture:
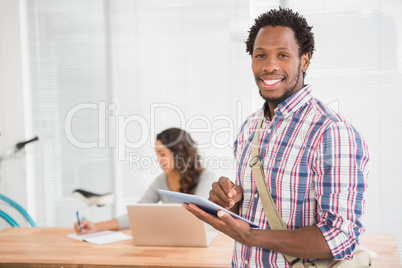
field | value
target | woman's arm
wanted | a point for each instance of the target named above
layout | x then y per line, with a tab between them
88	227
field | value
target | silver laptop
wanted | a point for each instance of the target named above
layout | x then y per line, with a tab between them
167	225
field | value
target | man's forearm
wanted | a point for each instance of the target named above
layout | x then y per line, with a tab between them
305	242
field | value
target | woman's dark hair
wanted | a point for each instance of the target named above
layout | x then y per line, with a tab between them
186	158
287	18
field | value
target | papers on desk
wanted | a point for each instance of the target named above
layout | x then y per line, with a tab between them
100	238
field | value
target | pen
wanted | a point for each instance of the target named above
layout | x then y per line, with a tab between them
78	219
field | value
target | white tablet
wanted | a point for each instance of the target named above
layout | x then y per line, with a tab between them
202	203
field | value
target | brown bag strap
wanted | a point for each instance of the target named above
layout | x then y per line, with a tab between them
271	211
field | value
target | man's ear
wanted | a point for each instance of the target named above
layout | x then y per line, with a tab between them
305	61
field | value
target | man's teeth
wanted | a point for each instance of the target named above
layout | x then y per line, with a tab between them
271	82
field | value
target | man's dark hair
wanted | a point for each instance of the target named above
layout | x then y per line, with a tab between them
287	18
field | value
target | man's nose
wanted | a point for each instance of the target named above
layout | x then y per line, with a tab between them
270	65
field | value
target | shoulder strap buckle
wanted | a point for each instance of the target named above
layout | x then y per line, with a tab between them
255	161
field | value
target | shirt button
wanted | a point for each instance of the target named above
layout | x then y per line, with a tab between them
269	131
256	195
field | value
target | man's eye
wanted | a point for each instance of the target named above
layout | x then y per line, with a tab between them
283	56
260	56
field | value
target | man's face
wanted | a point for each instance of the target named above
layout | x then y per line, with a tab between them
277	67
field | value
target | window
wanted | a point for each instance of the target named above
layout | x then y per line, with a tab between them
122	71
107	76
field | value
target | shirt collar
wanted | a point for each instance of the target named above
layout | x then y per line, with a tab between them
292	103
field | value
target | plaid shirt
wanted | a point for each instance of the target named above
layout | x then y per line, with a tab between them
316	168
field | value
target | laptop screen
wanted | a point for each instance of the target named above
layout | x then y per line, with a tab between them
167	225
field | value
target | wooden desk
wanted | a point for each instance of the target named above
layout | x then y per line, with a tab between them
50	247
385	248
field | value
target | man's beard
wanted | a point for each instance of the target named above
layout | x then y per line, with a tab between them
288	92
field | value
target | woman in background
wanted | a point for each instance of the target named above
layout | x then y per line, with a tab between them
182	172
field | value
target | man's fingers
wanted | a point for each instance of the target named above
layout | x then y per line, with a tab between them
200	214
226	218
238	193
226	186
220	199
215	222
222	193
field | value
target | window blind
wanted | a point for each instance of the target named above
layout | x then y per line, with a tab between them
107	76
144	66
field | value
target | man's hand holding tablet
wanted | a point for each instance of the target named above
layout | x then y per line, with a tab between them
202	203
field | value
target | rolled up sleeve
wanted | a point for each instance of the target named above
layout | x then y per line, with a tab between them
342	159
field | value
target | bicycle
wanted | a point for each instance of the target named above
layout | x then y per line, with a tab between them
10	220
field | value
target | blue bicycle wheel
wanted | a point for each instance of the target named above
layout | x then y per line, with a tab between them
20	210
8	219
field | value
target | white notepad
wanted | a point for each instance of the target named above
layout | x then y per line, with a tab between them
100	238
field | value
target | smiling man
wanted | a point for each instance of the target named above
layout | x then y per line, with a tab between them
276	64
315	163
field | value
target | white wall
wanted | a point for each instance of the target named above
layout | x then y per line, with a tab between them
13	182
384	197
